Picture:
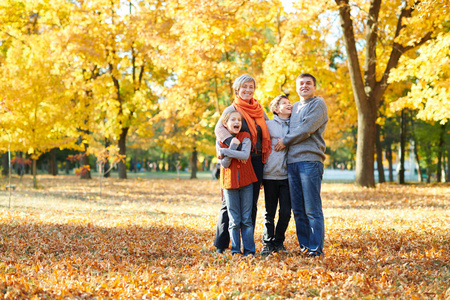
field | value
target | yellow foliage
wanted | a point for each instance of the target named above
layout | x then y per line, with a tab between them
430	91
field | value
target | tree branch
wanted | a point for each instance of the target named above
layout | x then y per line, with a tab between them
352	53
370	62
398	50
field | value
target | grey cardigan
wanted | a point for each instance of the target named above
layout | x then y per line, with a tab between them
276	166
305	139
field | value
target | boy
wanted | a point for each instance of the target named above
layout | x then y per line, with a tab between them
275	180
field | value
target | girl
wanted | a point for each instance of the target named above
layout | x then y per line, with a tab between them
236	179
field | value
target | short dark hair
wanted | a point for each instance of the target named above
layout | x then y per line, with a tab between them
307	75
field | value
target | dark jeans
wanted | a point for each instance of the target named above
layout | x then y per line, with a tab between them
276	191
305	180
222	240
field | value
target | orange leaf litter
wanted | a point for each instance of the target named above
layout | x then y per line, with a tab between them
153	239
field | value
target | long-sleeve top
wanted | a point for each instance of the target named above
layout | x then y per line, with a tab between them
306	130
276	166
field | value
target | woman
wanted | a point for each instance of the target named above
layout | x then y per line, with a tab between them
254	122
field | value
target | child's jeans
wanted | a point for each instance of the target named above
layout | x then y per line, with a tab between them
239	203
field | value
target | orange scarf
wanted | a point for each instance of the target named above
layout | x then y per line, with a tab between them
253	112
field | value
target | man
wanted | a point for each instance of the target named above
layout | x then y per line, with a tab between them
306	154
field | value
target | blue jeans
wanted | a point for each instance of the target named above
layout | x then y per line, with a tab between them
239	204
305	180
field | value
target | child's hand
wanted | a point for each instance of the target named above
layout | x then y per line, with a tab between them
221	156
235	141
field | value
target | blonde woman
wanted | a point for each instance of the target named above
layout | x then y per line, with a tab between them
253	122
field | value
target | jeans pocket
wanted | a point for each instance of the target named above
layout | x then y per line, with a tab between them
313	169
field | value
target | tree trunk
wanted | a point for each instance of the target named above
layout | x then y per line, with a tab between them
34	173
123	151
389	159
194	164
419	168
428	160
448	165
365	150
401	172
368	91
53	164
440	154
366	104
84	161
67	167
106	165
5	164
27	167
379	149
416	151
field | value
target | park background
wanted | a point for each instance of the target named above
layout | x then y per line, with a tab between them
151	78
88	86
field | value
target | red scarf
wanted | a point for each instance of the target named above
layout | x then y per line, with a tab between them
253	112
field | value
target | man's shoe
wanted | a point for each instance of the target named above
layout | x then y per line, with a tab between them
218	250
303	251
315	254
266	250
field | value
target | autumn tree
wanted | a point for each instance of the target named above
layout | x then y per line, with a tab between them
370	24
30	74
211	44
117	73
304	46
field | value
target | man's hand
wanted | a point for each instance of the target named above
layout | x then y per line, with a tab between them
279	145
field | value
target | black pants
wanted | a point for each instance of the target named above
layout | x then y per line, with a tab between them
276	192
222	240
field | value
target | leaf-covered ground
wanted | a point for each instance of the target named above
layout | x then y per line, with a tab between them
150	239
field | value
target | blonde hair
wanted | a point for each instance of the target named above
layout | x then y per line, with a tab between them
227	116
275	103
241	80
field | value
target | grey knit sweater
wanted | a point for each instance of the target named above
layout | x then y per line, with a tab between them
307	125
276	166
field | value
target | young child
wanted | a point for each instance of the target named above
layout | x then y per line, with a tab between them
236	178
275	181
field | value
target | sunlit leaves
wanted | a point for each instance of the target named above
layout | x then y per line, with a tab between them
430	90
149	239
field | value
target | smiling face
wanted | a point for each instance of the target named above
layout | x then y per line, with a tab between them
234	122
247	90
306	87
284	108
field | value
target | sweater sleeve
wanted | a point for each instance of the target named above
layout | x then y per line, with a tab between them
313	119
226	161
243	154
221	132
